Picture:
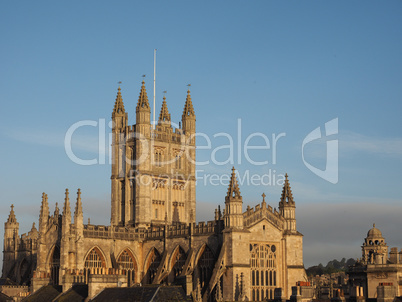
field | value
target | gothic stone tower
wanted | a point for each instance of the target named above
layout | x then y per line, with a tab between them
153	167
11	227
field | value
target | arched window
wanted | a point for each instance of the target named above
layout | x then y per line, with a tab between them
158	158
263	271
205	266
94	259
55	265
127	262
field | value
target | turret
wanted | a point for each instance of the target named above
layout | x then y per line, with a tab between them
43	227
44	214
164	116
287	206
143	110
233	204
66	214
374	249
119	119
65	239
78	214
119	115
79	232
11	227
188	117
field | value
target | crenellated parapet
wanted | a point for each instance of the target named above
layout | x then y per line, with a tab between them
259	212
154	233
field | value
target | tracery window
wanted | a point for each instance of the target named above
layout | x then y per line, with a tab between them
179	258
205	266
158	158
55	265
94	259
126	261
263	271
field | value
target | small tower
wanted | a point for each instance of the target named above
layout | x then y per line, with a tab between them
188	117
233	204
143	110
119	120
236	240
65	231
287	207
66	215
11	227
43	227
119	115
374	249
79	232
43	215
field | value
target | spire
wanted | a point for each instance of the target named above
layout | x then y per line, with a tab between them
233	190
66	207
143	99
56	210
233	215
164	116
11	217
188	106
119	105
287	196
44	207
78	205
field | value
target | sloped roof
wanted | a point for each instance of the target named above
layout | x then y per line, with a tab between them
141	294
78	293
44	294
5	298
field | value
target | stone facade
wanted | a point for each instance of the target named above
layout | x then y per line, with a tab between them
153	237
377	274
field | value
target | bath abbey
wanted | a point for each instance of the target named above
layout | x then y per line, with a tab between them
241	254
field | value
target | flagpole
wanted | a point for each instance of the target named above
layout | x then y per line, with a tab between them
154	84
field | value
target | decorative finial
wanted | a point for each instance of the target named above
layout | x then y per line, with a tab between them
263	197
373	225
89	220
119	82
12	207
286	176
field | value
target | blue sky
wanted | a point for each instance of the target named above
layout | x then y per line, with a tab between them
279	67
